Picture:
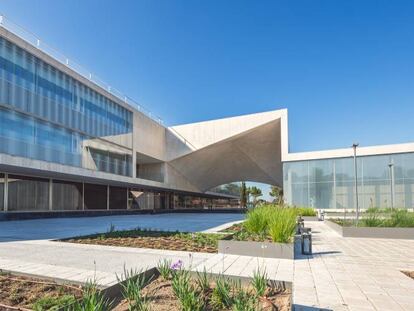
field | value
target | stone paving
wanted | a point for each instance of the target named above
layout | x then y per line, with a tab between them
343	274
354	273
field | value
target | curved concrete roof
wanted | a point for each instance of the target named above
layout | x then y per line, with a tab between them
233	149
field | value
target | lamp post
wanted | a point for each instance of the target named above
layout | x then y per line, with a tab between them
354	146
391	166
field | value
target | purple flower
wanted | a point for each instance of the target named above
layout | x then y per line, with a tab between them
177	265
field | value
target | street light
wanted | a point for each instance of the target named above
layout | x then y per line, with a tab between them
391	166
354	146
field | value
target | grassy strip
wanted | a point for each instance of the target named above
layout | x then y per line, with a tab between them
385	218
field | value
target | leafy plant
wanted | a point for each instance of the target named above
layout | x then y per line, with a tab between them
282	225
53	303
132	284
372	218
402	218
92	300
164	267
257	220
189	299
259	282
243	301
305	211
221	295
203	281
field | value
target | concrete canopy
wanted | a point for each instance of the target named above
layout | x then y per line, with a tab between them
244	148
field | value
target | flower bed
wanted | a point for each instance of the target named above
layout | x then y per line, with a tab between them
26	293
172	288
191	242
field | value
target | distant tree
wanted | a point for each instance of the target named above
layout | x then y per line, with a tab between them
277	193
243	195
232	189
255	193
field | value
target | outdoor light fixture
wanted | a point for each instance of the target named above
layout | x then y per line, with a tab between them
354	146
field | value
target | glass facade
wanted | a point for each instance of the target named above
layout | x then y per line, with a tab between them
47	115
27	193
67	196
330	183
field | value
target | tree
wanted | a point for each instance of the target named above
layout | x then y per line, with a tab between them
255	193
277	193
243	195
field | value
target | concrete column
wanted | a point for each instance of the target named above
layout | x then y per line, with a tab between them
127	198
50	194
6	192
83	196
107	197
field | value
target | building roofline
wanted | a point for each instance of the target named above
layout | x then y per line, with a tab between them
348	152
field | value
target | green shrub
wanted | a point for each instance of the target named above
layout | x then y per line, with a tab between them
243	300
132	284
305	211
53	303
282	225
401	218
257	220
164	267
190	300
221	296
372	218
203	281
92	300
259	282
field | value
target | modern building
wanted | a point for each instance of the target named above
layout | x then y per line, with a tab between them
70	143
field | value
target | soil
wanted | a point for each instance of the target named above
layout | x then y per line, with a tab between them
409	273
161	298
239	234
21	291
170	241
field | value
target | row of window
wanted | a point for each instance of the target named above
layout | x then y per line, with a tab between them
34	86
28	137
32	194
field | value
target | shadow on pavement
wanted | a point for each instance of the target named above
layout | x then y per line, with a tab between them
307	308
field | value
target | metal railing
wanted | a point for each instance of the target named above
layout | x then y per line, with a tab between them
35	41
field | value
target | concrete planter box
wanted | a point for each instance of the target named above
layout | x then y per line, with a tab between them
259	249
310	218
373	232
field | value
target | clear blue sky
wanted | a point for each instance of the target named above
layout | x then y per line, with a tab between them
344	69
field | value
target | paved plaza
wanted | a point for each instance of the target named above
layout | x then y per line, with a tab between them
343	273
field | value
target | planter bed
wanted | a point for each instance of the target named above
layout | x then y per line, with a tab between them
251	246
372	232
24	292
259	249
191	242
160	295
310	218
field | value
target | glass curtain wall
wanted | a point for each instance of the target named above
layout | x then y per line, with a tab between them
95	197
27	193
32	91
67	196
330	183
